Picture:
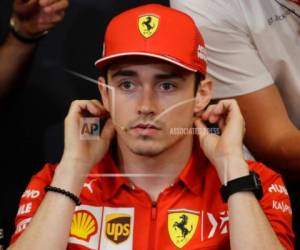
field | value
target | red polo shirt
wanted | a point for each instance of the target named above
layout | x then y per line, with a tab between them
189	214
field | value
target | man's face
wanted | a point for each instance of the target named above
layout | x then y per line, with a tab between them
151	98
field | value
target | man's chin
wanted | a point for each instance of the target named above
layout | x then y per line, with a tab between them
149	152
146	148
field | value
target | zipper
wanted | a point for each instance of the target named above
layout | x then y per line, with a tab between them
153	225
154	210
153	220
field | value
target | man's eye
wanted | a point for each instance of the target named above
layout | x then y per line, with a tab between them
127	85
167	86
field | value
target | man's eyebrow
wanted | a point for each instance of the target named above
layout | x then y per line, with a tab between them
124	73
170	75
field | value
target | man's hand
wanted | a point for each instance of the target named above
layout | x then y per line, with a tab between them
225	151
84	151
33	17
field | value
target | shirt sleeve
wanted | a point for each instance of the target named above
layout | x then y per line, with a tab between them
276	204
31	199
234	63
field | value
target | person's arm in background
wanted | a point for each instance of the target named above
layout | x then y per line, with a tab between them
238	72
31	17
271	136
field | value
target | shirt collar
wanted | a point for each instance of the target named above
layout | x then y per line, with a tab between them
111	179
192	175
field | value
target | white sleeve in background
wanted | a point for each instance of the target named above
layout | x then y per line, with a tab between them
233	61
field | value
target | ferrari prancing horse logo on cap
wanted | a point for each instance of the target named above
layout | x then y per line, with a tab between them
148	25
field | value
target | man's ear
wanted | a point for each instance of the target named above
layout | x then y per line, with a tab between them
203	95
102	86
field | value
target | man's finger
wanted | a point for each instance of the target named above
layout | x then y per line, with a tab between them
211	115
56	7
80	106
214	118
93	109
45	3
97	102
205	115
231	113
56	18
222	124
202	129
21	7
48	22
227	106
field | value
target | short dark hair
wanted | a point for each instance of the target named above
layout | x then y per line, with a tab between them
198	79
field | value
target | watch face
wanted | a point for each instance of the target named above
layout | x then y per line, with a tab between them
258	191
256	178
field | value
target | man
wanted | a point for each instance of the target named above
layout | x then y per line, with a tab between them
30	21
150	187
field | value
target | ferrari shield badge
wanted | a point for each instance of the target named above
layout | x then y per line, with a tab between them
182	224
148	25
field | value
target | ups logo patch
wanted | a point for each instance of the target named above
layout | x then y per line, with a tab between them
117	227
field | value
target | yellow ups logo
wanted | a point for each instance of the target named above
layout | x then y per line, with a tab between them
117	227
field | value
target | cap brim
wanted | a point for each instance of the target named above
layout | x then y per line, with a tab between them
102	62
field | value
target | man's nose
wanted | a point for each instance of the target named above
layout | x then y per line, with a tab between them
147	103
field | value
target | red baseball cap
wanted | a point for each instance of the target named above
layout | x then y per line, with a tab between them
156	31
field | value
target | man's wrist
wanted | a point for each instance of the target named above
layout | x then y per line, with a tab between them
237	169
70	175
232	167
69	157
21	35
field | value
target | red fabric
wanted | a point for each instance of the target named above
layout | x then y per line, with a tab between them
196	190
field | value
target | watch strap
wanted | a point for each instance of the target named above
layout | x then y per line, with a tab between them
246	183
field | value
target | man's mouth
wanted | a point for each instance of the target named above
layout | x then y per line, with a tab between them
145	126
145	129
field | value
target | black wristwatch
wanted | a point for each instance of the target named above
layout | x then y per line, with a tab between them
247	183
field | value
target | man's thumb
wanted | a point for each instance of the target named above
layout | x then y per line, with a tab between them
202	130
108	130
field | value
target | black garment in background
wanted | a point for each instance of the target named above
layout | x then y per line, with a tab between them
32	116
